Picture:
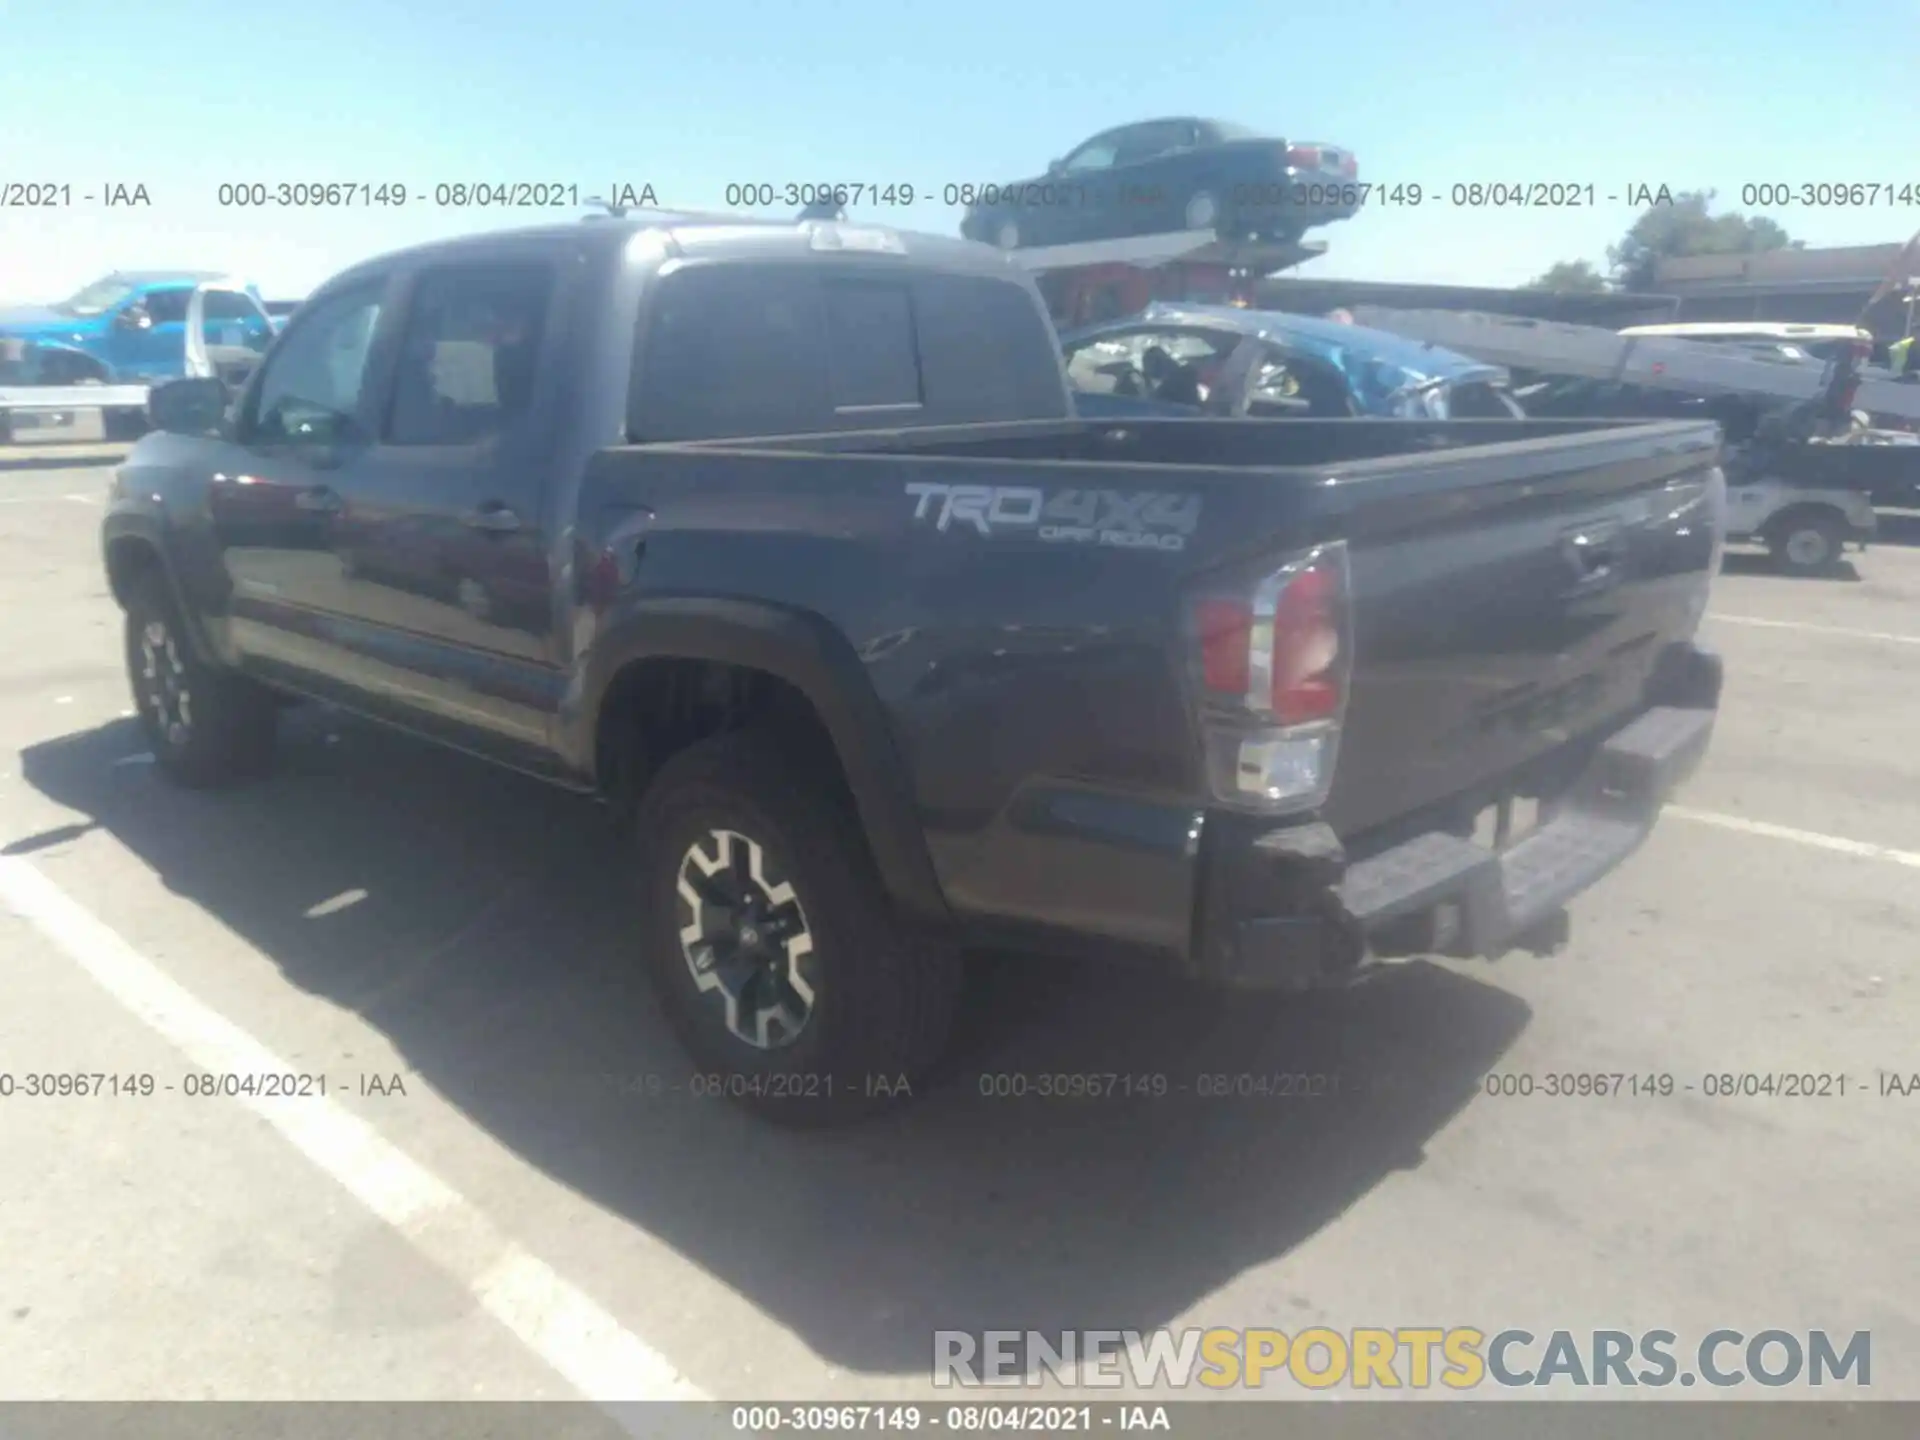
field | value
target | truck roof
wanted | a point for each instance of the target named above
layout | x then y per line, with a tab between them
691	233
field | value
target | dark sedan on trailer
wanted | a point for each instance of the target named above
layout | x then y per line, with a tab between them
1165	176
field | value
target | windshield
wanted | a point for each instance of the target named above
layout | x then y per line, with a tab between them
97	298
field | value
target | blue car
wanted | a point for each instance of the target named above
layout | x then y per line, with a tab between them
1176	359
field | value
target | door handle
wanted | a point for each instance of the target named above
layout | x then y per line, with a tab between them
495	519
319	498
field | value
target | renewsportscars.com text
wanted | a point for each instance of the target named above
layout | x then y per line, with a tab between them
1415	1358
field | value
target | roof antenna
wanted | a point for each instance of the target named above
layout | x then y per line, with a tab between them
613	211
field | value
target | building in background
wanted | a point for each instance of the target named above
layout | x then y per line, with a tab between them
1821	287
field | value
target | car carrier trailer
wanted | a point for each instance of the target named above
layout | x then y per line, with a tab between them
1103	279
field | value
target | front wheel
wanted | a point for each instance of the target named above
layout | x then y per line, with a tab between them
1807	544
206	728
773	947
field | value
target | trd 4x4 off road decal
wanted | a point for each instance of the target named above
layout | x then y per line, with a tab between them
1128	519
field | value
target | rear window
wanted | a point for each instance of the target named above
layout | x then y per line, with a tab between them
745	350
986	351
870	347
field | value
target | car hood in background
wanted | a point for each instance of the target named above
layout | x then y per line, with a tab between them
36	322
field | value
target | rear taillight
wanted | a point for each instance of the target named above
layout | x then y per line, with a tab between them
1304	157
1226	628
1305	682
1275	666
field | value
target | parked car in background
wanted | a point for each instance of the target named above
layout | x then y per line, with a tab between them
1189	359
130	329
1163	176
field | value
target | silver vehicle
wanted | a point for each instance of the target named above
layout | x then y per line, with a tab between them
1805	528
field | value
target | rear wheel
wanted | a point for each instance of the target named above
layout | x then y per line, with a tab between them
206	728
1807	542
779	960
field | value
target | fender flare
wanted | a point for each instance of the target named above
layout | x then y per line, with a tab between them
134	528
816	659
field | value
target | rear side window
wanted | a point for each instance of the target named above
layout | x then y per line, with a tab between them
731	351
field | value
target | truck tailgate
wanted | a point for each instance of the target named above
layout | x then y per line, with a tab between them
1516	601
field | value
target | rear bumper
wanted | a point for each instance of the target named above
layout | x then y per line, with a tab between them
1288	910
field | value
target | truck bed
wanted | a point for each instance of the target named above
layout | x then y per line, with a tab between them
1515	585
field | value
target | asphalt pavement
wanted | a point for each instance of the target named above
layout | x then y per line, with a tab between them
503	1195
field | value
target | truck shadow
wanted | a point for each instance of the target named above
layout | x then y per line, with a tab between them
489	947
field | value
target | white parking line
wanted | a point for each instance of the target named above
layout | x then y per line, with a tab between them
1861	848
554	1319
1815	629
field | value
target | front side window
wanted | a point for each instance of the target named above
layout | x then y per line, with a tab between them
167	307
310	392
466	365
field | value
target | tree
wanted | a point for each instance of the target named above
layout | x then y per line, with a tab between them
1683	227
1570	277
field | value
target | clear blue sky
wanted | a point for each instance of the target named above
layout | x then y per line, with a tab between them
180	95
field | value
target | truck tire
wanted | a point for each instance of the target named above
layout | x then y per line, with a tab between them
1807	541
777	956
1006	235
207	729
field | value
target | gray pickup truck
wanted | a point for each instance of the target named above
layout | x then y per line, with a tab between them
938	663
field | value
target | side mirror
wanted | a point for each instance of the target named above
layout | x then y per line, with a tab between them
134	317
1055	167
194	406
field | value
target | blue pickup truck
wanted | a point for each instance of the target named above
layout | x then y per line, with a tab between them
132	328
